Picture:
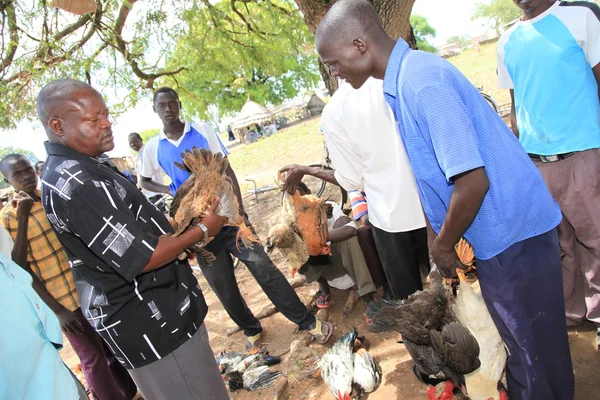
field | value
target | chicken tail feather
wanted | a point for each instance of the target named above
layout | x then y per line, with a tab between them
246	236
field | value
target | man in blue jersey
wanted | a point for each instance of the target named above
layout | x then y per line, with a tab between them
555	114
476	181
161	152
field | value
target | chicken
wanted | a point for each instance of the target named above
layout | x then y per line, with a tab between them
228	361
471	311
207	181
441	347
256	360
301	229
347	374
256	378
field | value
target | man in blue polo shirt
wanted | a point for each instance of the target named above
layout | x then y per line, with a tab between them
475	181
556	116
161	152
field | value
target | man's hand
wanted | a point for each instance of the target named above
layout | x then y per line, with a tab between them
295	173
341	221
23	203
69	322
365	219
446	259
213	221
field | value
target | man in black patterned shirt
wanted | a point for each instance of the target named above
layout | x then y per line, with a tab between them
143	301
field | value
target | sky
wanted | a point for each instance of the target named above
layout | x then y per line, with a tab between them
448	17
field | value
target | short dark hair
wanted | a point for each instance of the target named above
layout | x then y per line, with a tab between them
164	89
54	94
348	19
135	134
8	158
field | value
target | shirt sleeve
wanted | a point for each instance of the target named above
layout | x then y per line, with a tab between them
110	229
149	159
591	46
504	79
214	141
442	116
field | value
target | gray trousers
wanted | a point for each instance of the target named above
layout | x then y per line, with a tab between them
188	373
575	184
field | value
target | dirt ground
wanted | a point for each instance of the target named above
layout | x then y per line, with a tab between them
398	379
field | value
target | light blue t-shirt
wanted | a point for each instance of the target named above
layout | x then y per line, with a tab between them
30	336
448	129
548	62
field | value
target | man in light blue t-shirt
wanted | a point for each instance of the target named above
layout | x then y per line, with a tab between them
550	61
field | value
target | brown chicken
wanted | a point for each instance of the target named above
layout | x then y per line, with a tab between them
311	220
207	181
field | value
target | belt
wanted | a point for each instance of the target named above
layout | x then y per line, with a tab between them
552	158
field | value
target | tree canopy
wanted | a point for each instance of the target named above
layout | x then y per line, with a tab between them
258	50
497	13
423	32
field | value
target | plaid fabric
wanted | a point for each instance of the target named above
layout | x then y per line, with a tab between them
46	257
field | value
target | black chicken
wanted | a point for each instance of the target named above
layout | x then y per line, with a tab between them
441	347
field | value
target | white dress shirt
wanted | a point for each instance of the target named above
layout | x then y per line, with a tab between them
157	175
368	154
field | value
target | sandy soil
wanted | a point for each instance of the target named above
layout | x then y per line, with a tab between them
398	382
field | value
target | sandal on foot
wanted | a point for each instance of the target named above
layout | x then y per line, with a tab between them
322	331
253	343
324	301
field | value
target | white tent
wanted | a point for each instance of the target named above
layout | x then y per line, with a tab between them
252	113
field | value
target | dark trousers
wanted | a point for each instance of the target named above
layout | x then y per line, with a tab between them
369	249
107	379
221	278
522	288
400	255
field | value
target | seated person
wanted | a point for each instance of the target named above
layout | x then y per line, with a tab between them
346	258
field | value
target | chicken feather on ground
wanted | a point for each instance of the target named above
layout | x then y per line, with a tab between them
207	181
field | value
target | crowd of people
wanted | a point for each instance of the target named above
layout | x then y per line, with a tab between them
85	251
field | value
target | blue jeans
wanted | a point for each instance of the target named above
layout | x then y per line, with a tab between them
522	288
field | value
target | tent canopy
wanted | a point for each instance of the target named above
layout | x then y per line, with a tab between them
251	113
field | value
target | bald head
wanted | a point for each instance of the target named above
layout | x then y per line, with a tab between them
75	115
52	98
352	42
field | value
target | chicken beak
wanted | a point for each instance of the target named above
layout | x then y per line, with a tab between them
270	246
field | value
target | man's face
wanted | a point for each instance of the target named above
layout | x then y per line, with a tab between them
167	106
347	62
135	143
528	5
86	127
21	175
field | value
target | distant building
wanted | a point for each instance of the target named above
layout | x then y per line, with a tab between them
449	50
488	37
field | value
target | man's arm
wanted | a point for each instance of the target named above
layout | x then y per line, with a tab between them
296	172
152	186
69	322
513	113
470	189
341	230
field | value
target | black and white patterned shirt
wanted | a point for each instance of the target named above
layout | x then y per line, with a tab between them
109	231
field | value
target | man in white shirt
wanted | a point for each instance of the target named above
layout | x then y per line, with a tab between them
367	153
136	144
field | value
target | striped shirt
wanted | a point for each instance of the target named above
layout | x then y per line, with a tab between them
46	257
448	129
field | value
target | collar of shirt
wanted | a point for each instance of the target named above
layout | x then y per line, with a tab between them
390	80
186	129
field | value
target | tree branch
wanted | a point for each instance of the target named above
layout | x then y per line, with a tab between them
14	38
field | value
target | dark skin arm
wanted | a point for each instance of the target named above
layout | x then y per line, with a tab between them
152	186
69	322
470	189
513	113
169	248
596	71
296	172
341	231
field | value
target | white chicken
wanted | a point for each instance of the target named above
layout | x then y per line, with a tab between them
348	374
471	311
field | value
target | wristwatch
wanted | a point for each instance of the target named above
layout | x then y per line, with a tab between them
205	230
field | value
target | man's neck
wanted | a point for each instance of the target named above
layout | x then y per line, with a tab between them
34	195
174	129
383	57
539	10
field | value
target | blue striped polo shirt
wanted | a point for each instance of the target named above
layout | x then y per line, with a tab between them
448	129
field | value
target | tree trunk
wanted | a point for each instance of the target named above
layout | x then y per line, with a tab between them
394	16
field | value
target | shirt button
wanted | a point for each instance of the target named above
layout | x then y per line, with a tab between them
37	306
